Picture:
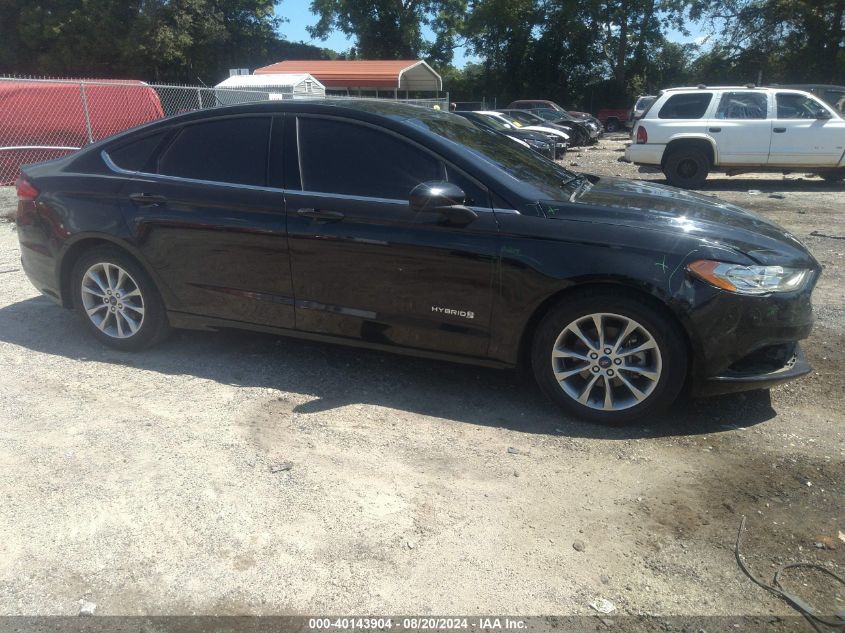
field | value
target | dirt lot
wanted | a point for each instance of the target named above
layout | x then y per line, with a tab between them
240	473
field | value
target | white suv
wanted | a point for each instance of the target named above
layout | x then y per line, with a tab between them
690	132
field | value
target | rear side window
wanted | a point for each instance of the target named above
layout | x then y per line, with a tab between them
742	105
686	106
345	158
225	150
135	155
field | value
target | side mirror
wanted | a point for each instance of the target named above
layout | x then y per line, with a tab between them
823	115
444	198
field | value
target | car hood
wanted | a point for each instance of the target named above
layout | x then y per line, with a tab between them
545	130
660	207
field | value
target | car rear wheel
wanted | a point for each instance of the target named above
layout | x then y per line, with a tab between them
117	301
609	359
686	168
612	125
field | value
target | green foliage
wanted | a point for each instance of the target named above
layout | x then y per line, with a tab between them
392	29
785	41
160	40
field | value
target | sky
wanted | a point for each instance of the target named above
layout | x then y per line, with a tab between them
299	16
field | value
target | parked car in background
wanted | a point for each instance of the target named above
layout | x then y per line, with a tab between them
589	132
832	95
527	117
561	138
542	143
43	119
613	119
405	229
642	104
690	132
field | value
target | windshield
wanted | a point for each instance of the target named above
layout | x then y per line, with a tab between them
553	115
546	177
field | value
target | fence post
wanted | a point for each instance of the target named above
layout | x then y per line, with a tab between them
199	97
85	110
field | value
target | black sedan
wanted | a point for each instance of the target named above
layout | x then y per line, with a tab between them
407	229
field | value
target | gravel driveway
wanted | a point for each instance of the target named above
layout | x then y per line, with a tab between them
239	473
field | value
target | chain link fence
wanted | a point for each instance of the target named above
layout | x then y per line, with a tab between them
41	119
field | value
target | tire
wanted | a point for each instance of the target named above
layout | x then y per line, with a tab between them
134	320
657	374
612	125
686	168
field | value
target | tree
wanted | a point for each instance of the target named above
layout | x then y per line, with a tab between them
784	40
391	29
160	40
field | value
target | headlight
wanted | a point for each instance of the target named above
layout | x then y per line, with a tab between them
749	280
537	144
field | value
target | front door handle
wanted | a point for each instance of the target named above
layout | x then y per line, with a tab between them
323	215
715	129
779	130
147	199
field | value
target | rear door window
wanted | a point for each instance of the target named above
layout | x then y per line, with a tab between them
351	159
135	155
224	150
742	105
686	106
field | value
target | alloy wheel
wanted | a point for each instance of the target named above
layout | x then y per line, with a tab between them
606	362
112	300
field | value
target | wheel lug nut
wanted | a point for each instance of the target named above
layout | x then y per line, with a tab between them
595	369
112	308
609	372
618	361
108	292
607	350
594	356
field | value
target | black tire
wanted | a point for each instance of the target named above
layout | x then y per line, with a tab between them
686	168
670	344
153	326
612	125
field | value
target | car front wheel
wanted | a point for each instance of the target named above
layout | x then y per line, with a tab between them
117	301
609	359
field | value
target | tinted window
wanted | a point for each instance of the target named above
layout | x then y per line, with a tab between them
742	105
476	195
225	150
351	159
795	106
135	155
686	106
525	167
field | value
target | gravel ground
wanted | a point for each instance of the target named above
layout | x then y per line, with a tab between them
237	473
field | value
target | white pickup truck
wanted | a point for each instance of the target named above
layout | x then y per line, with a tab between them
689	132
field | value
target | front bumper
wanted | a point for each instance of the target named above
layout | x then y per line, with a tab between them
733	381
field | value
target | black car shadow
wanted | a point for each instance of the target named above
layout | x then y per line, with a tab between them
337	376
773	185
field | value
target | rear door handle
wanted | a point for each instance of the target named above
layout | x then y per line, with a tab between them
323	215
779	130
715	129
147	199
